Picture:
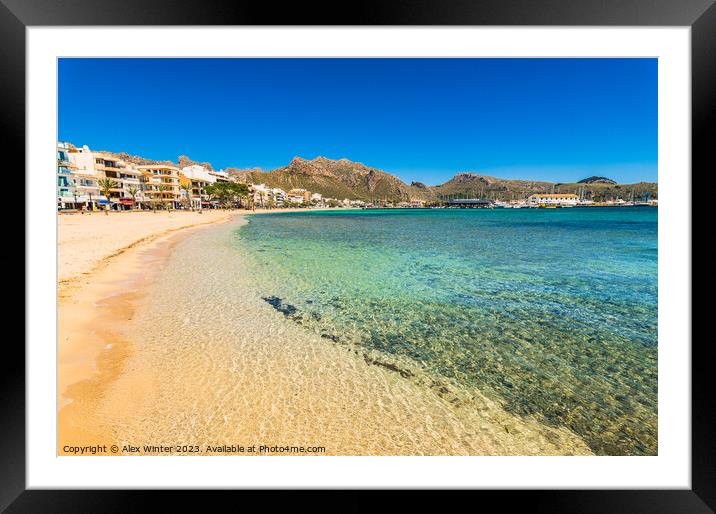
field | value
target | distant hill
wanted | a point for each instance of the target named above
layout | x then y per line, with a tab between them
597	180
472	185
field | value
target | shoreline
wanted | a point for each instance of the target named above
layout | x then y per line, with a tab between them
76	261
95	352
93	304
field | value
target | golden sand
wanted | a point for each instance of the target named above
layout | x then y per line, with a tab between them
147	356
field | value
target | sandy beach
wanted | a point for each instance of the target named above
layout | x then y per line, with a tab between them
87	240
142	362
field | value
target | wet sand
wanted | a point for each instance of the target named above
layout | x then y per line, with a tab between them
162	346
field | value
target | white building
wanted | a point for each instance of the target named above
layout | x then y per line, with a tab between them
553	199
262	195
88	167
279	195
199	177
220	176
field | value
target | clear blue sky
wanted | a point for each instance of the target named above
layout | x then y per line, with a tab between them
421	119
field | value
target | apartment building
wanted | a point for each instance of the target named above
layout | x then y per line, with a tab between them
299	196
131	182
262	195
88	168
279	196
161	185
67	197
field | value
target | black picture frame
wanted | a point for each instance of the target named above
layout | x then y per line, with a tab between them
700	15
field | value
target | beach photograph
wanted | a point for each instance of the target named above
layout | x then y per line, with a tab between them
357	257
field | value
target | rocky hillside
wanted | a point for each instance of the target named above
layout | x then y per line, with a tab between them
336	179
135	159
185	161
182	160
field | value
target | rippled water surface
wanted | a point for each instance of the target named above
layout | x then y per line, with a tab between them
553	313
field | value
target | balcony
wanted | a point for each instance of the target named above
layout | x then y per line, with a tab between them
104	167
93	190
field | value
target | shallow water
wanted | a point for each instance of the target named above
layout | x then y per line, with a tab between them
550	313
211	362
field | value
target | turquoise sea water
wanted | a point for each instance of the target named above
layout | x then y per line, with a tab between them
553	313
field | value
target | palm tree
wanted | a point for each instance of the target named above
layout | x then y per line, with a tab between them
163	188
186	187
133	191
105	185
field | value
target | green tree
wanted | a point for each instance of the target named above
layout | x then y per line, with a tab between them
133	191
240	191
228	193
106	185
216	192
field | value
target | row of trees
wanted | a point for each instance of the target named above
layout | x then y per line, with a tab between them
228	194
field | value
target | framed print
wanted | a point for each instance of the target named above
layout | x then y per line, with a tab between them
421	248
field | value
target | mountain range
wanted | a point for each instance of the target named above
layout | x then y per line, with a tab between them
343	178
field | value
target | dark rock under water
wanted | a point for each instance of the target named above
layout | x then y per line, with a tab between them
277	303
